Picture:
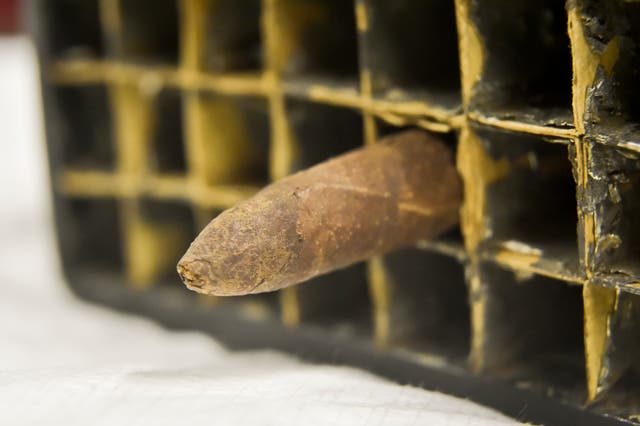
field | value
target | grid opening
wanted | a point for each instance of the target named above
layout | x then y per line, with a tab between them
167	133
527	60
615	184
533	328
92	234
621	366
320	39
338	300
233	36
411	50
234	133
149	31
322	131
83	126
429	308
622	399
532	197
73	28
610	26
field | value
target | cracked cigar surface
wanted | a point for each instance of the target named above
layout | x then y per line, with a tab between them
361	204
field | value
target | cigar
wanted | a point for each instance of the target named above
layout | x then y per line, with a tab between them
350	208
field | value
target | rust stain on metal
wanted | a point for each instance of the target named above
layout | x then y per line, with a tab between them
361	204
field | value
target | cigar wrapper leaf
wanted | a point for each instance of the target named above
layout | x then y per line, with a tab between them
350	208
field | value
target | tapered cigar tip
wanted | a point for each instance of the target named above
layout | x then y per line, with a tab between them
216	266
194	273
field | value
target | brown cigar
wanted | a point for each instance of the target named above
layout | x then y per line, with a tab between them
358	205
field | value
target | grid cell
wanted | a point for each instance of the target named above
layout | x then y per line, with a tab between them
318	39
233	36
167	133
229	138
612	344
531	328
83	127
428	308
322	131
338	301
411	50
526	72
73	28
92	234
149	31
531	195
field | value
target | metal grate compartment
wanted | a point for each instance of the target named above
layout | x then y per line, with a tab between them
158	122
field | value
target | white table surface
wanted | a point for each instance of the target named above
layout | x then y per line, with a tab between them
66	362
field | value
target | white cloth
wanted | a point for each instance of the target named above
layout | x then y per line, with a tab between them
66	362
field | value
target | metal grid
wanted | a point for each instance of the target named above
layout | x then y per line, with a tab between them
157	121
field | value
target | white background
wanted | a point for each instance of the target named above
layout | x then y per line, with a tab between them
66	362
